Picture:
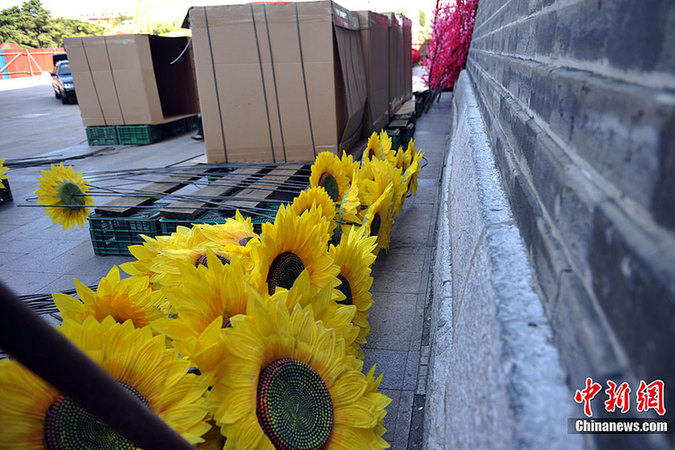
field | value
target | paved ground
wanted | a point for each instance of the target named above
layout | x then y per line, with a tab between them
38	257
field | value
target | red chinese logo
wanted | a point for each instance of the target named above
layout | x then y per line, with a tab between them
650	396
617	398
586	395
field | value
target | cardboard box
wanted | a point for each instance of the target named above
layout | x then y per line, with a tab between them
400	61
375	41
278	81
406	63
395	37
129	79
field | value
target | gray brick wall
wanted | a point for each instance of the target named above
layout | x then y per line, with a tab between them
579	102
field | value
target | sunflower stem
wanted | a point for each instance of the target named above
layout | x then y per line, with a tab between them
45	351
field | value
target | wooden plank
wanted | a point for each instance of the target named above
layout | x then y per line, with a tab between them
191	209
406	108
265	188
398	123
164	186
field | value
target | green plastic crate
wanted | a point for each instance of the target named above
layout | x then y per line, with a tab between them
5	193
102	135
267	216
168	226
114	235
407	133
394	134
139	134
192	123
175	128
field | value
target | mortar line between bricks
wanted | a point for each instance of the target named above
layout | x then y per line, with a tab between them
572	269
556	6
637	212
486	21
644	80
555	232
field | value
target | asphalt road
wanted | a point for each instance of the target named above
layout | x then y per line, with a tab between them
33	121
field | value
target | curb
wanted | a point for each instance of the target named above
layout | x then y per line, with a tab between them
495	377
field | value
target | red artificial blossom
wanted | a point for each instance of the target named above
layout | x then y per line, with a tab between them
415	56
451	32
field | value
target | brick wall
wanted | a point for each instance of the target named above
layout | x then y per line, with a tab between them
579	102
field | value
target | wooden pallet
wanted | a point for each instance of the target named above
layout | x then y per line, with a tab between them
203	194
239	188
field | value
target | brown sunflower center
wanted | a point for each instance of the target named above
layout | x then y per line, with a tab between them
284	270
329	183
346	289
375	225
69	193
293	405
67	426
203	260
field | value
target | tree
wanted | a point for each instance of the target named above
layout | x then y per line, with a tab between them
40	18
166	27
31	26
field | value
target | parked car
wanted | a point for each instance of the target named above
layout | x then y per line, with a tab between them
62	82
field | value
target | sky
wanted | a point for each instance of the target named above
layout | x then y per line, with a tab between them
73	8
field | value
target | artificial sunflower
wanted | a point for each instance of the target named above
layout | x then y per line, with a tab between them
327	171
128	299
377	176
325	307
372	148
355	256
3	173
290	245
35	415
288	383
379	220
237	232
145	255
204	303
349	206
413	156
62	186
158	257
316	197
349	165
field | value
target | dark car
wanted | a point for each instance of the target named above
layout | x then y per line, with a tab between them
62	82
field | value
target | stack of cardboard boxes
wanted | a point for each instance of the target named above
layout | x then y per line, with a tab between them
277	82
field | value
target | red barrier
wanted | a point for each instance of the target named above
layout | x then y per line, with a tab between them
26	62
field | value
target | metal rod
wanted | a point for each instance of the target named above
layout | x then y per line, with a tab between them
45	351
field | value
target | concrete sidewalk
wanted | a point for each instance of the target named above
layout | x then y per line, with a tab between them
399	340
